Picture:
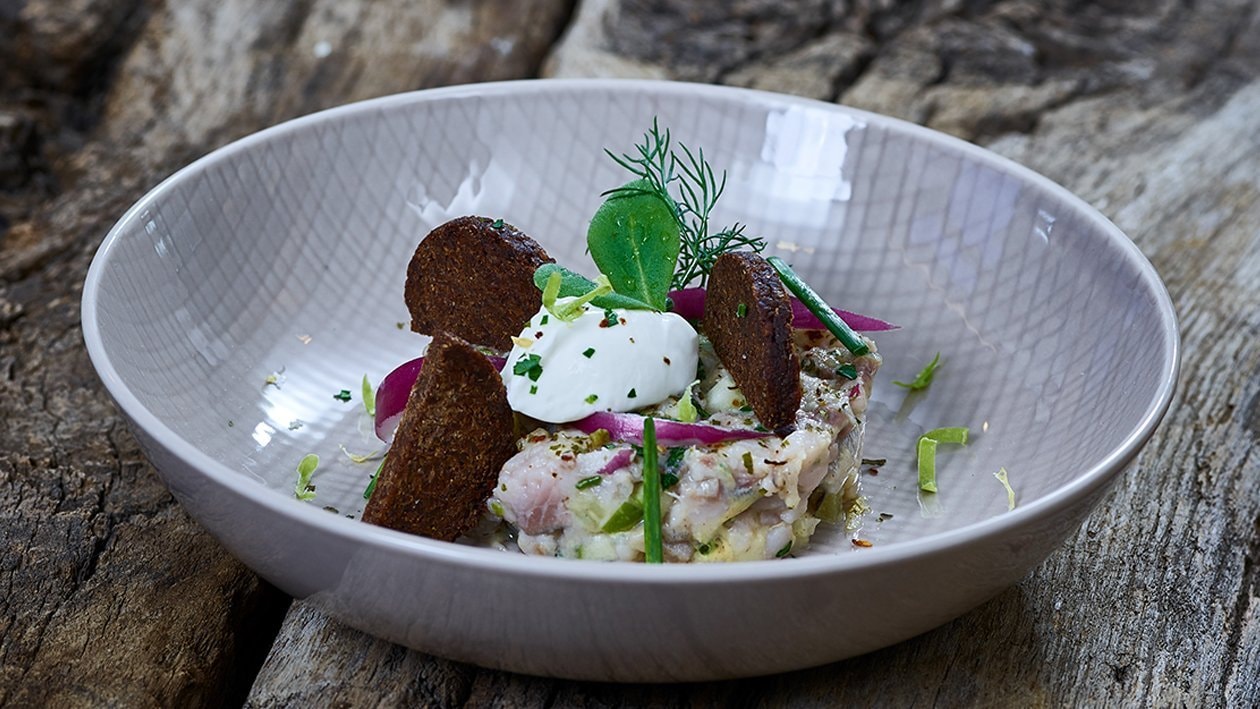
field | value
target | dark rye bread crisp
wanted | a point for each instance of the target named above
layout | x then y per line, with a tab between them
474	278
454	437
748	317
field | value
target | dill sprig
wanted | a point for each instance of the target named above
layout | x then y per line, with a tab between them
698	188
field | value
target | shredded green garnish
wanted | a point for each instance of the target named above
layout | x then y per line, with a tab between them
927	452
343	395
371	486
304	490
741	310
924	378
1006	483
651	495
592	481
544	320
571	309
610	318
497	224
748	462
787	549
847	371
874	462
497	508
589	352
533	388
592	398
528	366
369	397
819	307
356	458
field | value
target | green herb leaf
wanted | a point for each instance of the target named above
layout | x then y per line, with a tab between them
588	352
741	310
343	395
634	239
592	481
592	398
369	397
371	486
304	490
658	166
528	366
924	378
847	371
787	549
651	495
573	284
927	452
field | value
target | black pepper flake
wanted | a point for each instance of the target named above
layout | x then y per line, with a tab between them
885	516
666	360
767	461
538	335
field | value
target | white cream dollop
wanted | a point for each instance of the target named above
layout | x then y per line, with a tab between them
594	363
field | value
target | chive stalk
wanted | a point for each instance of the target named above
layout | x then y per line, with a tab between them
819	307
651	495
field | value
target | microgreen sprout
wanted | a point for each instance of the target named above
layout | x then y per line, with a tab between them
660	166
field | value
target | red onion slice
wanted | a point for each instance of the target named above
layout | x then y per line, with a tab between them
689	303
628	428
620	460
395	388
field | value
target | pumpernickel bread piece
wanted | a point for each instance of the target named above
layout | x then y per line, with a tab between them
474	278
454	437
748	317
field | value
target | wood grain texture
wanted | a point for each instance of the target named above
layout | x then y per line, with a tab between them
1147	110
111	594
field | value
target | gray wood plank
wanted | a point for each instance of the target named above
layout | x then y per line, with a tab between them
111	594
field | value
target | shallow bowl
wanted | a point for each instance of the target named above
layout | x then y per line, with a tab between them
230	304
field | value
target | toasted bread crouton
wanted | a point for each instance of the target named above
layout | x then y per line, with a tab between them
748	317
454	437
473	277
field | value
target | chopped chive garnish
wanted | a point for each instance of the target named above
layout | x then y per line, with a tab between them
545	319
343	395
529	366
371	486
927	453
1006	483
592	481
819	307
651	495
306	468
369	397
496	507
668	480
533	388
592	398
741	310
610	318
497	224
588	352
924	377
847	371
787	549
631	394
874	462
702	549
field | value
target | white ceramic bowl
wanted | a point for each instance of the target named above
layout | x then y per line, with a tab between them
286	252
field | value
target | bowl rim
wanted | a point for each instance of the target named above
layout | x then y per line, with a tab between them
1075	492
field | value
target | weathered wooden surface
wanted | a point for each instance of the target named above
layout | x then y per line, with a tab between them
1147	110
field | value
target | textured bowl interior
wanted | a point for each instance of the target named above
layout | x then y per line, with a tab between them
286	253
